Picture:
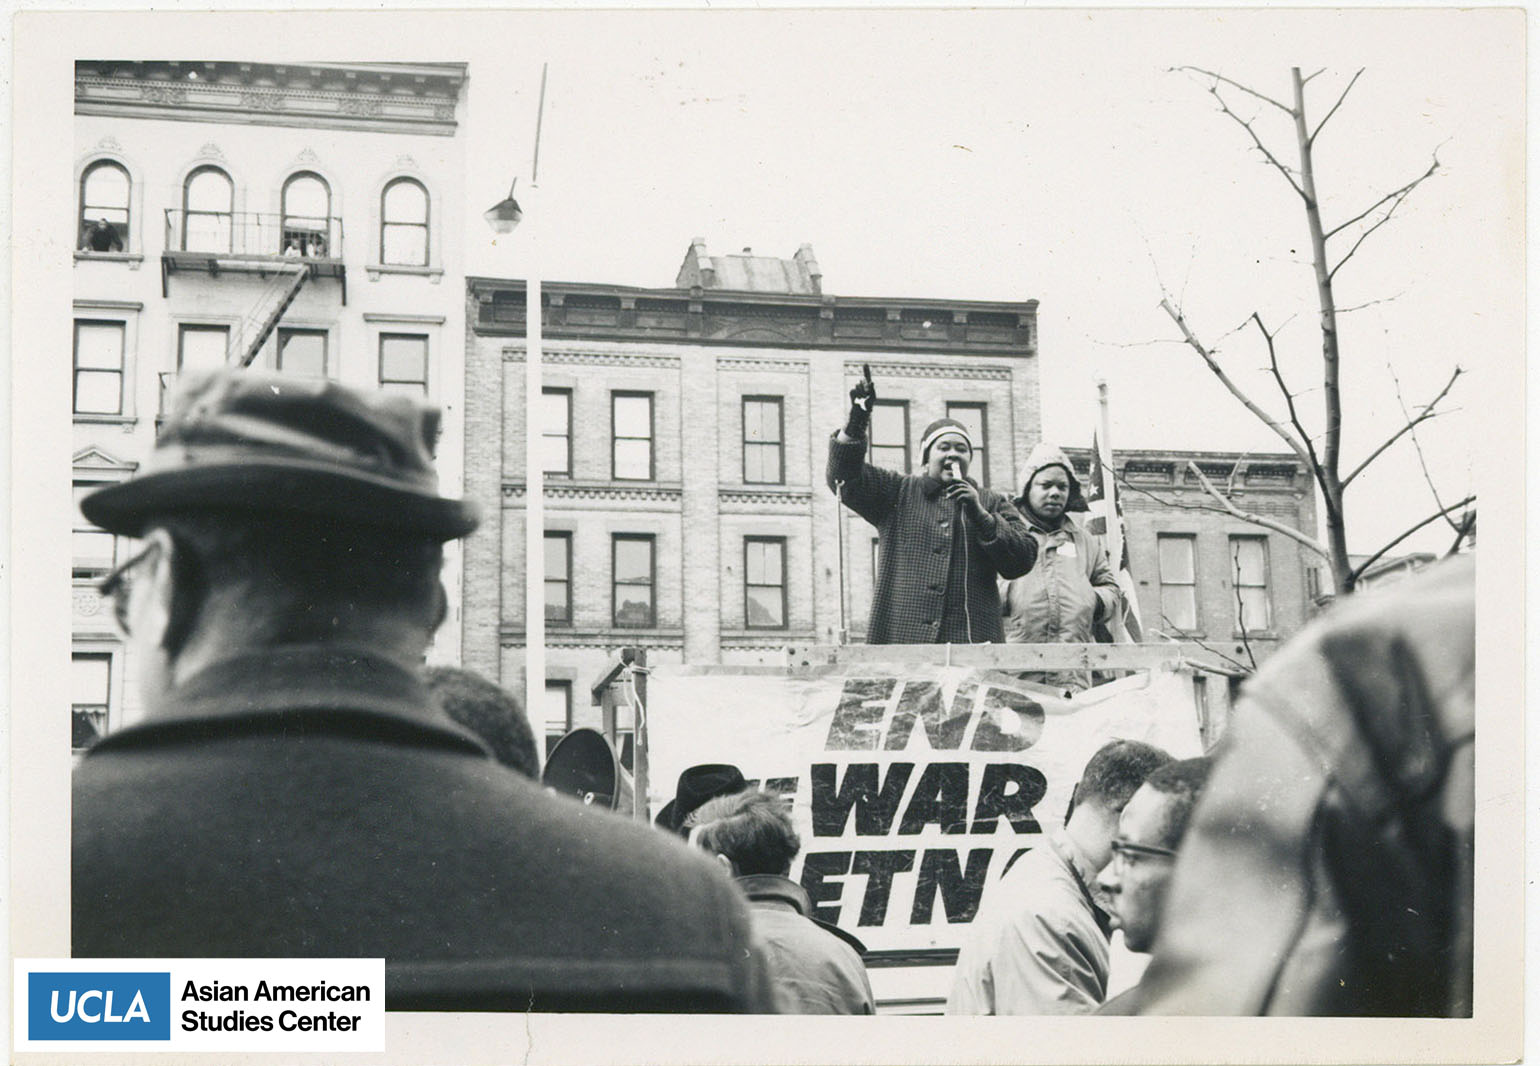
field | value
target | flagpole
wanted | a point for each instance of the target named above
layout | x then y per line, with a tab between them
1114	536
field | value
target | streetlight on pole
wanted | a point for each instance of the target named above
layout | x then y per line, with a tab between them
503	217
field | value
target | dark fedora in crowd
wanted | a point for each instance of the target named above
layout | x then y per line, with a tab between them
254	441
697	785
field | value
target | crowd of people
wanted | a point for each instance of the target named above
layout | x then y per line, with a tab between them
301	786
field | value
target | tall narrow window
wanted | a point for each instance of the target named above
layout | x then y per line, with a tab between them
98	367
197	348
558	712
93	551
1178	581
976	417
208	211
302	352
1248	571
764	582
889	435
90	696
633	580
631	425
763	440
558	578
556	432
307	209
404	223
404	363
104	189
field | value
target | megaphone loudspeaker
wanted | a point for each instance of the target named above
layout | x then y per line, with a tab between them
584	766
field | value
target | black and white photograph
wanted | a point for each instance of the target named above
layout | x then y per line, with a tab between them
886	511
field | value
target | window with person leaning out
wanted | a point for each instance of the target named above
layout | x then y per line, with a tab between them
944	540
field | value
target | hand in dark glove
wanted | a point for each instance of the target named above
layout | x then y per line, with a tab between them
862	396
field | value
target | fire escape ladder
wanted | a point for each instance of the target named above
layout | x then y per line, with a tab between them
259	326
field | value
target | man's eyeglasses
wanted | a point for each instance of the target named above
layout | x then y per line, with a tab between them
117	585
1124	851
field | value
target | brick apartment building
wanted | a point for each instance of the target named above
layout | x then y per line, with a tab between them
683	440
1201	574
684	437
193	180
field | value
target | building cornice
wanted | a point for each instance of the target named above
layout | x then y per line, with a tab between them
665	639
788	499
560	489
380	97
595	312
929	370
515	354
749	365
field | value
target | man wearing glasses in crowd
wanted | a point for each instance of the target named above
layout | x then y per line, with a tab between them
1150	831
293	792
1039	944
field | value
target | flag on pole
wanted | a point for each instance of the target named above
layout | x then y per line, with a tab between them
1106	521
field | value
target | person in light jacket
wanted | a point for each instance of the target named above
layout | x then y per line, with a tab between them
1072	584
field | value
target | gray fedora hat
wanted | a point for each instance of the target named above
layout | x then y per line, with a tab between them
239	439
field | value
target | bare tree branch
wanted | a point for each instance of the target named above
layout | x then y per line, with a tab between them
1261	146
1240	606
1295	445
1395	194
1308	78
1322	124
1238	469
1422	460
1288	396
1235	84
1368	232
1426	413
1466	528
1371	303
1358	572
1257	519
1181	635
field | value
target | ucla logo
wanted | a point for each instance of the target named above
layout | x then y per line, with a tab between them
99	1006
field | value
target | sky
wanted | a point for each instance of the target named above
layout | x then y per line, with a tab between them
1057	156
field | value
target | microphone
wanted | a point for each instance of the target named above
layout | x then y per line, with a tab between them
950	468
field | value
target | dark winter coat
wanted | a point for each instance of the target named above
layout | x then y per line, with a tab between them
305	802
936	577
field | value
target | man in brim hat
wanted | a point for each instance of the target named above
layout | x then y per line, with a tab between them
697	784
293	791
943	539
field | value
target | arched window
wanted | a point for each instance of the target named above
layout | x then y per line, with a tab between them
307	208
208	206
404	223
104	207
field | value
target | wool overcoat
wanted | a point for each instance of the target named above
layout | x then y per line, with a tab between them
307	802
936	578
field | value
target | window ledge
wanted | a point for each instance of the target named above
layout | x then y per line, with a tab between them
432	273
133	259
106	420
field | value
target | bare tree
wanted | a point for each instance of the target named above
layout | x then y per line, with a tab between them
1332	248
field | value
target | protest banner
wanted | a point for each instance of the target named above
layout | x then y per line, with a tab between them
912	785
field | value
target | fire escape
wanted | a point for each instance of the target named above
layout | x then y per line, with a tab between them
285	253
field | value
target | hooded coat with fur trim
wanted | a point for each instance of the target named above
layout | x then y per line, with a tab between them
1072	584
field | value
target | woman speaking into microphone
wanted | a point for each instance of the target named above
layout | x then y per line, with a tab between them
942	539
